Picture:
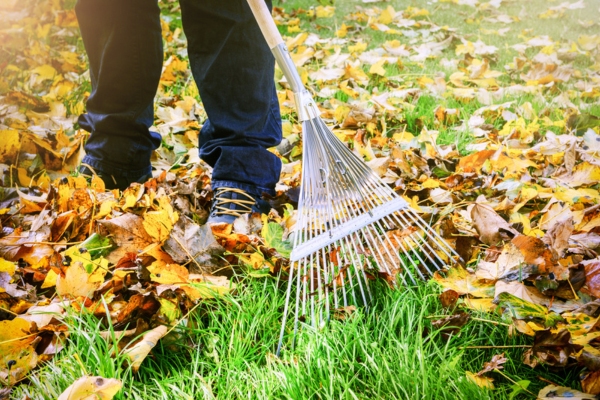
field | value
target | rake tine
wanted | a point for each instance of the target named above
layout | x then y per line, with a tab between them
419	222
285	310
419	240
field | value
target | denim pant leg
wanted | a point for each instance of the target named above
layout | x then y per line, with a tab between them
123	42
234	70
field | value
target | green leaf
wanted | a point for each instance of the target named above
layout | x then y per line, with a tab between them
272	233
517	388
96	245
522	309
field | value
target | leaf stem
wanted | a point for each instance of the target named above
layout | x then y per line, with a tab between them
515	382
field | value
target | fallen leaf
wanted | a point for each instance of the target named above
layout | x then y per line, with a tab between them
17	355
510	261
491	227
128	234
190	241
553	392
92	388
481	381
591	383
592	276
551	348
557	236
462	282
494	364
77	282
516	307
448	298
140	350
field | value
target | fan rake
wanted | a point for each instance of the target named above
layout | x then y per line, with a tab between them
351	226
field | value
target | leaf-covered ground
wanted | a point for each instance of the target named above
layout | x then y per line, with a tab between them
484	115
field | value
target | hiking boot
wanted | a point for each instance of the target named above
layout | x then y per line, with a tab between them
231	203
112	181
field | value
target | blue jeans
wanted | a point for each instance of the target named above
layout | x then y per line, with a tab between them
233	69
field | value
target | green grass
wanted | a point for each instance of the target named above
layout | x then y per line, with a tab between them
226	352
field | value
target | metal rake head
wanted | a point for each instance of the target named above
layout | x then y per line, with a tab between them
351	227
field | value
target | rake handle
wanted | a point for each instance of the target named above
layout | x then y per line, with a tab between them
265	22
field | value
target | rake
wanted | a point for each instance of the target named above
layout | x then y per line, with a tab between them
351	226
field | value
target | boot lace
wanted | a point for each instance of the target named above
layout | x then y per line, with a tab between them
223	201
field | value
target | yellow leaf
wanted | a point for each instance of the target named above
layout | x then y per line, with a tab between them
256	260
342	32
43	73
15	346
7	266
459	280
293	29
158	224
9	146
357	74
92	388
430	184
50	280
210	287
297	41
358	47
485	305
481	381
105	209
377	68
341	113
387	15
465	48
168	273
77	282
141	349
403	137
325	12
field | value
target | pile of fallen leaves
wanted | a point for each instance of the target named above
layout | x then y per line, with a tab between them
521	209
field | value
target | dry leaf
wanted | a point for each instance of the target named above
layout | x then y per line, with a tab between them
92	388
552	392
491	227
140	350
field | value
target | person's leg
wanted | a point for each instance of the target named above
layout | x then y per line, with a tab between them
234	70
123	42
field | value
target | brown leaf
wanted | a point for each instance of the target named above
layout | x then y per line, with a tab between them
192	242
491	227
138	306
592	276
128	233
343	313
591	383
449	298
557	236
495	363
551	348
451	324
538	254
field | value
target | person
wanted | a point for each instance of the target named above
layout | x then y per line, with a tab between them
234	71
